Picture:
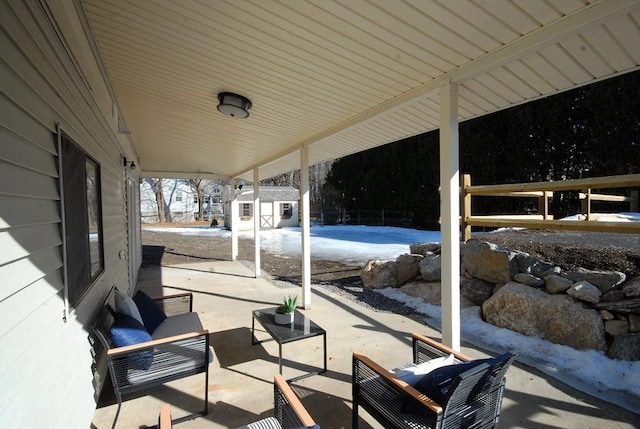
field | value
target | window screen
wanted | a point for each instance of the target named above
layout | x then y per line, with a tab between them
82	219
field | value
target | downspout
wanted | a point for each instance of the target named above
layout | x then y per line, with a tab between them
63	229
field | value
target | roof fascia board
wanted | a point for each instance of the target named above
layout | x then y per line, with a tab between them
181	175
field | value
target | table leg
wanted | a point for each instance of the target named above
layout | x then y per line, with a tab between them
253	336
280	357
324	338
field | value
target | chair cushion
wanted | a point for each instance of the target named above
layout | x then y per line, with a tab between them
127	331
177	325
412	373
152	314
125	305
436	384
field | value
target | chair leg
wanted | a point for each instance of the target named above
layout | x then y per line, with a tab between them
354	415
206	391
119	399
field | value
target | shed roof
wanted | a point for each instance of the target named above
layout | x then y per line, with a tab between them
270	193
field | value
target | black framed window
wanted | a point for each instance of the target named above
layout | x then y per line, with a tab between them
82	219
285	210
246	210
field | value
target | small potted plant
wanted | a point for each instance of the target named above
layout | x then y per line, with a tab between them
284	313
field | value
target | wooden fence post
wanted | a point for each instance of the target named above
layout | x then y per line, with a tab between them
466	207
543	205
633	204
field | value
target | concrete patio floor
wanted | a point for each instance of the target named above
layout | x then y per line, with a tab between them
241	375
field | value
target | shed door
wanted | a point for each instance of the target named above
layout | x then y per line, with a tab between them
266	215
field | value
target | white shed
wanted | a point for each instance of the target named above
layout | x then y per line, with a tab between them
278	207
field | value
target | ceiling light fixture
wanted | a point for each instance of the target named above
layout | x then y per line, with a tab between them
234	105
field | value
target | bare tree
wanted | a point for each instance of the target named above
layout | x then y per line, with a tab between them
292	178
198	188
317	177
161	206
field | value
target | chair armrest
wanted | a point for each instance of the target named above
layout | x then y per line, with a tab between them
135	348
391	379
164	419
284	396
175	304
425	349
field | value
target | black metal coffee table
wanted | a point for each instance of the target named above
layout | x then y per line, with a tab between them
301	328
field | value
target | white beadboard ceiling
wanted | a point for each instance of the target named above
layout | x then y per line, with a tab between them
337	76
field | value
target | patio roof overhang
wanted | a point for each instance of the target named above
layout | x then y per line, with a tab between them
330	78
336	77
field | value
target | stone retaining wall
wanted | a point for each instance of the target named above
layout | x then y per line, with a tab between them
583	309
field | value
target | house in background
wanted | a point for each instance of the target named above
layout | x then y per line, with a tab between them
278	207
181	202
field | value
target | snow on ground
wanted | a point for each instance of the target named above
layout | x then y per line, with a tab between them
587	370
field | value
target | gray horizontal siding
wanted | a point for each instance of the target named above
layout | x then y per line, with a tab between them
15	151
18	243
16	180
45	364
20	274
28	211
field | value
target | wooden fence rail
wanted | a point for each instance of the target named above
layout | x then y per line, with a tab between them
543	191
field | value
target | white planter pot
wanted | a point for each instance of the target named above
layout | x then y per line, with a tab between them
284	319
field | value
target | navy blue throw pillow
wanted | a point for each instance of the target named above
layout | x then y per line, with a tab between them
436	384
127	331
152	315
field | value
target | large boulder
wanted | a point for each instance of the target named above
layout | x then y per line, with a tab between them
408	267
489	262
556	284
532	265
631	288
429	292
529	279
603	280
431	268
379	274
625	347
585	291
557	318
424	248
616	327
475	290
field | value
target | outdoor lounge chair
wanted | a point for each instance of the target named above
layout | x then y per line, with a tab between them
289	413
178	348
472	399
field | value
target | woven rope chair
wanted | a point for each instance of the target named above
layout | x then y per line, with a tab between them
473	400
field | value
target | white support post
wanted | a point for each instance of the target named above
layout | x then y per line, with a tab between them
450	211
234	225
305	228
256	219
